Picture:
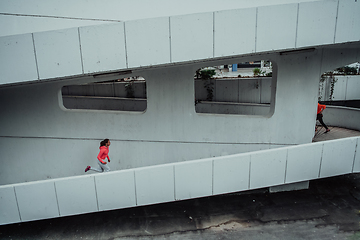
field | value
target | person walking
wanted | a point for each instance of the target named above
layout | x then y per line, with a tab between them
104	153
319	116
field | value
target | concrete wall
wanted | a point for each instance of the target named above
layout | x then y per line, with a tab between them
177	181
345	88
37	130
342	117
176	39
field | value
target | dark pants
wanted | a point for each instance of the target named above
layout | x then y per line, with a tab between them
320	118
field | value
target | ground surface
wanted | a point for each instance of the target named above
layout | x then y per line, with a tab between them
335	133
329	209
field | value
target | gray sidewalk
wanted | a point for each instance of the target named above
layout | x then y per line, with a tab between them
329	209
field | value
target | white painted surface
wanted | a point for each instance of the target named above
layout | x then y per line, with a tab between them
231	174
76	195
103	47
115	190
147	42
357	157
276	27
58	53
9	211
155	184
229	29
95	12
338	157
191	37
17	51
303	162
348	22
37	200
268	168
207	177
316	23
193	179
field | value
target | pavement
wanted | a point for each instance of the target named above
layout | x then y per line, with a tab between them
329	209
335	133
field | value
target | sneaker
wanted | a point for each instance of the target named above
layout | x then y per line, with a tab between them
327	130
87	168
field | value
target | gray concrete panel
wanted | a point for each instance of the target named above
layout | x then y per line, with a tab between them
103	47
338	157
267	168
193	179
58	53
147	42
356	167
115	190
9	211
276	27
231	174
235	38
76	195
348	22
155	184
17	51
191	37
303	162
37	200
315	28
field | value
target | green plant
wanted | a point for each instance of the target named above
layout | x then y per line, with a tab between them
207	74
269	74
258	72
333	80
346	70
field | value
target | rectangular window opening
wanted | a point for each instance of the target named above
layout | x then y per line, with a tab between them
126	94
241	88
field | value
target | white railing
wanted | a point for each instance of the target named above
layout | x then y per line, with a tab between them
177	181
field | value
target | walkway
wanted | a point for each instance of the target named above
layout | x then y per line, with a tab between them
335	133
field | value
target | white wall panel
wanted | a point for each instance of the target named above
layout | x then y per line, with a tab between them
193	179
58	53
316	23
348	22
231	174
191	37
276	27
155	184
340	89
352	88
338	157
9	212
37	200
115	190
17	59
249	91
103	47
303	162
76	195
357	157
147	42
267	168
226	91
234	32
265	90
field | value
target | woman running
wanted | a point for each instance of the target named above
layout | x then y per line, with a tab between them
104	151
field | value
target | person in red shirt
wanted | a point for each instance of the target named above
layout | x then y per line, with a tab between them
103	154
319	116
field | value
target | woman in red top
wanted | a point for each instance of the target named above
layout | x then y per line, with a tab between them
319	116
103	154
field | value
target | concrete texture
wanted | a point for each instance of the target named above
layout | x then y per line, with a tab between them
329	209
